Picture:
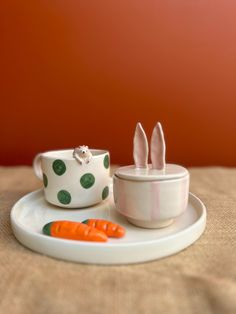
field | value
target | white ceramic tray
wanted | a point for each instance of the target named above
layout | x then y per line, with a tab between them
32	212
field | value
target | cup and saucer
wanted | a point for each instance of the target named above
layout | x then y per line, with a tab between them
78	190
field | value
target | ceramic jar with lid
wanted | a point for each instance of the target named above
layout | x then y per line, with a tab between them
151	195
151	198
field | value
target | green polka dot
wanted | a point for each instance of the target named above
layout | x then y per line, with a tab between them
106	161
105	192
45	180
59	167
64	197
87	180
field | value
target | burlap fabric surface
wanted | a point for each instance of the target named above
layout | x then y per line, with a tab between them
200	279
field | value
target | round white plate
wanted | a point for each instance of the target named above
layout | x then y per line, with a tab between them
32	212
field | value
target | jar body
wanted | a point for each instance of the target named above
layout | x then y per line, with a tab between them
151	204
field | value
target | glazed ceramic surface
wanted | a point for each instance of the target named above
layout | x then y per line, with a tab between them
151	195
32	212
67	183
151	198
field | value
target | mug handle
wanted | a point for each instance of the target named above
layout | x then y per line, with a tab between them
37	166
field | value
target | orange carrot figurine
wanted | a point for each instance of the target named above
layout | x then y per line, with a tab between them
111	229
74	231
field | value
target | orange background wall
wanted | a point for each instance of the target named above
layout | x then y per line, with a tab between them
84	72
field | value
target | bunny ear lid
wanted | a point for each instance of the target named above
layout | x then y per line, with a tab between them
140	147
158	148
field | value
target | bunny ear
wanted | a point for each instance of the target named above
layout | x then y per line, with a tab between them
158	148
140	152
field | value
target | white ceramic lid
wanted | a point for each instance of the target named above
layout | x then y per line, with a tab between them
170	172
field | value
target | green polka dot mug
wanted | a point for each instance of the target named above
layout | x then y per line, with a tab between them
68	183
